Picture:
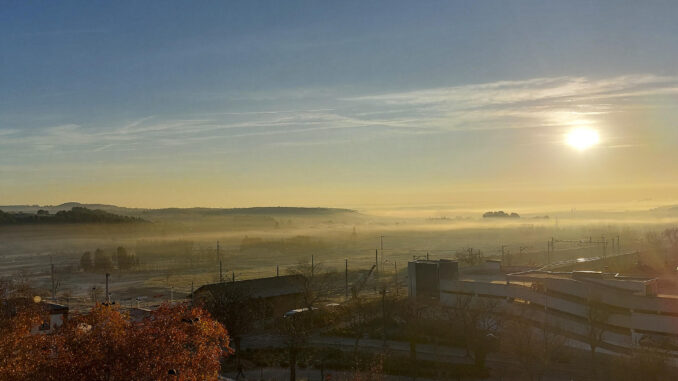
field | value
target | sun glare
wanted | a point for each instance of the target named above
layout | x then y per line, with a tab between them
582	138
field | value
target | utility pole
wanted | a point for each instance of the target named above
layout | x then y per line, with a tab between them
381	248
604	242
395	266
108	295
233	276
383	315
376	261
53	284
346	277
221	274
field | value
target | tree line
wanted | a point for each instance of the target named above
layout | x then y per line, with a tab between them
77	215
100	261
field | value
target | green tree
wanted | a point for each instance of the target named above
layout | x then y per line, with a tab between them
86	261
102	262
123	259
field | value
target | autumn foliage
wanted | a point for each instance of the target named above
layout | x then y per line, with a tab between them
173	343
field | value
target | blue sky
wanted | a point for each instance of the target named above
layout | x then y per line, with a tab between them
334	103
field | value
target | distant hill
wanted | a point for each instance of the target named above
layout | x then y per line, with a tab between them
77	215
53	209
278	211
260	211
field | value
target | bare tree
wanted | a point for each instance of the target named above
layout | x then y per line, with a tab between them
533	345
481	323
411	311
598	315
671	235
19	285
316	283
646	363
469	256
356	312
316	288
295	330
355	318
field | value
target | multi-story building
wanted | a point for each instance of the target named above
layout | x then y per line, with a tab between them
623	312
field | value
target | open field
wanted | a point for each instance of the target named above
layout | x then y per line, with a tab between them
178	250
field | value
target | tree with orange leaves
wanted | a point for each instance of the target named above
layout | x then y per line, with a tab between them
173	343
23	355
191	347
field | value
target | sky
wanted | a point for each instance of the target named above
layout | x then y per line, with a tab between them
346	104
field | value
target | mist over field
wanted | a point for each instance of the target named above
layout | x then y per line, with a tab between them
347	191
175	248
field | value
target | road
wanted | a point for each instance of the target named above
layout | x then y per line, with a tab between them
498	364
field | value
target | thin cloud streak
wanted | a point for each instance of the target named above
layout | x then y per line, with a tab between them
539	102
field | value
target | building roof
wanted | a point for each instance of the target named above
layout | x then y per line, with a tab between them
261	287
55	308
138	314
592	278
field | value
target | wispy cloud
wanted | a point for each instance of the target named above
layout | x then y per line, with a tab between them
538	102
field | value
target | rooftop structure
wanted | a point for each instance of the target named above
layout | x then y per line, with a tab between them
425	275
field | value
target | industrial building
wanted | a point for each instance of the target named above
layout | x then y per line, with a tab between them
626	312
279	294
